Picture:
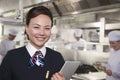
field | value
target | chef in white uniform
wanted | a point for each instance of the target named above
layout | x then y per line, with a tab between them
79	44
8	43
113	66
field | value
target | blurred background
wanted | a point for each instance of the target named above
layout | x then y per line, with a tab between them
95	19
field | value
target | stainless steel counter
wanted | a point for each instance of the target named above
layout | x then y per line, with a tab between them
90	76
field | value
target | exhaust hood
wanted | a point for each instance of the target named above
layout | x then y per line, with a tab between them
59	8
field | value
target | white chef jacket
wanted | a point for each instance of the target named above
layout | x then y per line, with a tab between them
6	45
114	65
81	44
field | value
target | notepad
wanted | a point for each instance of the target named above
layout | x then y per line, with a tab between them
69	68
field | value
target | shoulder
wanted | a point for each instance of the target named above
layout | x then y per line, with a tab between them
16	51
4	40
12	54
83	40
52	51
55	55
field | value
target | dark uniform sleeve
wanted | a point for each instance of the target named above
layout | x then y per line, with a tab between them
5	70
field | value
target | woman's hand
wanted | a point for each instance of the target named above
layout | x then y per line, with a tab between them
58	76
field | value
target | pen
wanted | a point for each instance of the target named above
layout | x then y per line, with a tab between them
47	74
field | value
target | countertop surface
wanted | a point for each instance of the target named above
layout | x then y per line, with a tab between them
91	76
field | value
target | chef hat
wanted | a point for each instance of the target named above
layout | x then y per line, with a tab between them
13	32
114	35
78	32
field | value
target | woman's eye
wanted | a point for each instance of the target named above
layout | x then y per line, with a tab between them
47	28
36	27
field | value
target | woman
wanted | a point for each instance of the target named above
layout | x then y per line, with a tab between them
22	64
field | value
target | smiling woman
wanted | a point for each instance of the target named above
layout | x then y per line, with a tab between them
39	22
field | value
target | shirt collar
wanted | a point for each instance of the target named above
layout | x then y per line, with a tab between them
31	49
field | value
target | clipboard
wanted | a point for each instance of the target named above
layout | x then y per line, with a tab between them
69	68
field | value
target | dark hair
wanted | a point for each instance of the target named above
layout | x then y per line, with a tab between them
34	12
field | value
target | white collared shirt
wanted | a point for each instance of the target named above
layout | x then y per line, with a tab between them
31	49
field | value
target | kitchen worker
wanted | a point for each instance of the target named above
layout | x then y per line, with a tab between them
112	68
34	61
79	44
8	43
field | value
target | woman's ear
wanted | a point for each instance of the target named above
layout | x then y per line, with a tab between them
26	31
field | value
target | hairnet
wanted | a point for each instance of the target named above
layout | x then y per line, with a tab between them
114	35
13	32
78	32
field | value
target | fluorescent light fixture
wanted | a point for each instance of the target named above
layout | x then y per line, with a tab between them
39	1
9	14
75	12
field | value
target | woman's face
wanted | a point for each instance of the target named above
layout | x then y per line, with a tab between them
115	45
39	30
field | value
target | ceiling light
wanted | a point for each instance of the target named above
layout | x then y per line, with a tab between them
75	12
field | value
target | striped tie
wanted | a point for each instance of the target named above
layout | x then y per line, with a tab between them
37	59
